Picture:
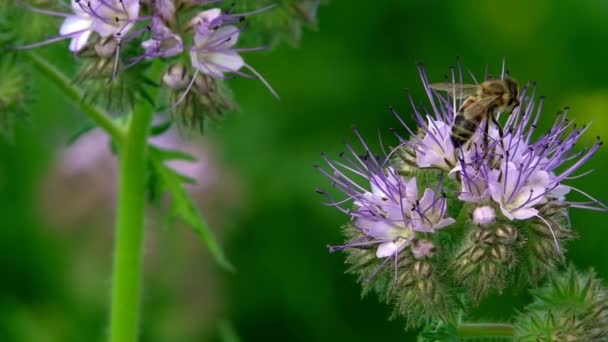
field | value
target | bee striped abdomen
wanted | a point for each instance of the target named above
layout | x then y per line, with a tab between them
462	130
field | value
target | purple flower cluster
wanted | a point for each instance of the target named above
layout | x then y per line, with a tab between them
389	210
513	171
506	176
208	36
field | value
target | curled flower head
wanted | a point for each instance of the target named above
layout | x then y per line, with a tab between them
494	207
388	210
120	38
391	230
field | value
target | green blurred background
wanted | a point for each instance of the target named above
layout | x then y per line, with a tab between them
55	252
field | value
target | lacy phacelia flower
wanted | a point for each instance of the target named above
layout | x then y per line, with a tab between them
505	189
104	17
117	35
213	52
388	212
391	229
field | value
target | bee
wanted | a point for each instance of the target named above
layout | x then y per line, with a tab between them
482	101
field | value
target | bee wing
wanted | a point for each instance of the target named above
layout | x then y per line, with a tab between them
460	90
478	108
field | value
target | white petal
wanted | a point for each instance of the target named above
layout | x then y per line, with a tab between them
411	190
225	37
560	191
506	213
377	185
383	230
524	213
77	8
199	62
387	249
539	178
79	41
229	62
364	224
75	23
205	17
444	223
427	199
132	8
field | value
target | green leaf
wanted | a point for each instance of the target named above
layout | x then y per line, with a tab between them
166	154
160	128
86	128
183	206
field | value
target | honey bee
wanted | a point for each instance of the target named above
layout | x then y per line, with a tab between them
481	101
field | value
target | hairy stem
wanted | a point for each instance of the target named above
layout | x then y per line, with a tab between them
470	330
126	283
96	114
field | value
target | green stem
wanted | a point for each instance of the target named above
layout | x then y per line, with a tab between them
126	282
96	114
469	330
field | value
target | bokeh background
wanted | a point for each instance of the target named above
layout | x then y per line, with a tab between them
257	180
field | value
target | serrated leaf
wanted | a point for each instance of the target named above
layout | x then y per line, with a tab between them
183	207
161	128
166	154
187	179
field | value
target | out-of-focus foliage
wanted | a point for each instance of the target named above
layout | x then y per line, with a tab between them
283	22
288	287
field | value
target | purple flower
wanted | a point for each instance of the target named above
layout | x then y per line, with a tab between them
104	17
435	149
79	26
515	172
208	37
164	43
507	189
387	209
213	52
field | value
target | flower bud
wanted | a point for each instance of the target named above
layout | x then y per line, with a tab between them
573	306
423	249
501	253
484	216
176	77
422	269
483	236
106	47
506	234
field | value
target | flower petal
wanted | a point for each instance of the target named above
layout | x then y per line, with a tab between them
387	249
226	61
75	23
79	41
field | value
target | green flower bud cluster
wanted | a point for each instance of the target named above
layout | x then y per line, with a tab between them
573	306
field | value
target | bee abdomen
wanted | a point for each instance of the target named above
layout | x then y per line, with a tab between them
462	130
